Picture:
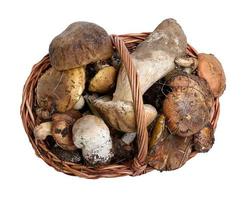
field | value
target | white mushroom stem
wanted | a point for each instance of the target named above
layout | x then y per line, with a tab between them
43	130
120	114
153	59
92	135
128	138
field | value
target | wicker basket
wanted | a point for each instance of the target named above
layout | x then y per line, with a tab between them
124	44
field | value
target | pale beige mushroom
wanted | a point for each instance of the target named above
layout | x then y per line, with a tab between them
42	130
120	114
92	135
188	64
153	59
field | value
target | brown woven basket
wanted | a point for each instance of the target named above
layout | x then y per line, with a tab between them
124	44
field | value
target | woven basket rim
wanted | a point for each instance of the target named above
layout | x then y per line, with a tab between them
123	43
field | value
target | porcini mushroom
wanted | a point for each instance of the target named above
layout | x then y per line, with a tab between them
153	59
60	90
120	114
92	135
188	107
104	80
210	69
79	44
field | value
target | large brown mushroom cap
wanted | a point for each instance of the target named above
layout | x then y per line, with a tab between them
60	90
80	44
188	107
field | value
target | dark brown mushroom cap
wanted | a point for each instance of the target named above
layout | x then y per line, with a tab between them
188	107
80	43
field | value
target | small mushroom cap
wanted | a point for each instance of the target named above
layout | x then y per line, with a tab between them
103	81
60	90
62	128
120	114
80	44
204	140
42	130
210	69
92	135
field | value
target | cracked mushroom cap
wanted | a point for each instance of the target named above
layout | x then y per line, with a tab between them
80	44
120	114
60	90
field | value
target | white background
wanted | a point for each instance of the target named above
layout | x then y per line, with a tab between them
219	27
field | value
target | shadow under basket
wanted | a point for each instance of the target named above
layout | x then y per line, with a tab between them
124	45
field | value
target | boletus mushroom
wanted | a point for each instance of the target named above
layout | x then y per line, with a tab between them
92	135
210	69
188	107
153	59
103	81
79	44
60	90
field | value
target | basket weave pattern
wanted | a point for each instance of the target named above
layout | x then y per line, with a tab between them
124	45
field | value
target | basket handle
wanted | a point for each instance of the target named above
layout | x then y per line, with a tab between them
138	165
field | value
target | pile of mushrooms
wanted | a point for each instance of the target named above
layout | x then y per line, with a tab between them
84	103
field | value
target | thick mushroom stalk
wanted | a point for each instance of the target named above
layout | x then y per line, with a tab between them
153	59
92	135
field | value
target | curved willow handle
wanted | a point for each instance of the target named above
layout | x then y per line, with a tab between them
139	164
